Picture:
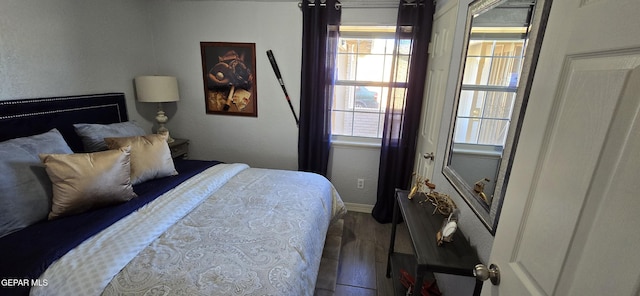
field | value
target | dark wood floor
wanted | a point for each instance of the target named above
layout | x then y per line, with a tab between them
363	258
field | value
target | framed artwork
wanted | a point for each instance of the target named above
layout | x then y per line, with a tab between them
229	75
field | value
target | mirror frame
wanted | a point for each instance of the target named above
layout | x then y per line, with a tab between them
489	214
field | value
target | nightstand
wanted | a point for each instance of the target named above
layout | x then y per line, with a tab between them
179	148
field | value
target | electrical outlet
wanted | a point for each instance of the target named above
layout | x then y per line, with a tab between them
360	184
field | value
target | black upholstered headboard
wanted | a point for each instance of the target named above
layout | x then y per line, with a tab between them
26	117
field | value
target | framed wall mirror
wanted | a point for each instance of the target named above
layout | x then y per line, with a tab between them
502	43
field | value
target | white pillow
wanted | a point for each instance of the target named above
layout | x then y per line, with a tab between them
150	156
86	181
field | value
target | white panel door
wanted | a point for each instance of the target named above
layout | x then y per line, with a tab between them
570	219
444	25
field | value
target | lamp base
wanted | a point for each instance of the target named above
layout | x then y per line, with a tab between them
164	131
162	119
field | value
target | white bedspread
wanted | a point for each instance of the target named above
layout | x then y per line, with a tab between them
231	230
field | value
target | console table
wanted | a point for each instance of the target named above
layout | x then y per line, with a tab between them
456	257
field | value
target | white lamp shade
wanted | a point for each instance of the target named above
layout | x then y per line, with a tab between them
157	89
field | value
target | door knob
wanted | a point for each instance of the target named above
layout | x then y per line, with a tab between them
429	156
482	273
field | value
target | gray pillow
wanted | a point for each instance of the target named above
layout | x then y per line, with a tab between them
25	188
93	135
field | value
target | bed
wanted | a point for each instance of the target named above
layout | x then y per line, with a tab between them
125	218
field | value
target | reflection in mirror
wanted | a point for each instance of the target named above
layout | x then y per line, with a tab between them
494	59
502	43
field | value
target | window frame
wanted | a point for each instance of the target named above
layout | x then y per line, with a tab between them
511	90
366	32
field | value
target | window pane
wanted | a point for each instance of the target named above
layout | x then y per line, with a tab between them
341	123
356	111
367	98
380	124
492	104
397	97
480	48
364	59
343	98
346	64
481	131
511	48
504	71
466	130
499	104
471	103
389	46
405	47
371	67
364	69
493	132
493	62
476	71
347	58
402	63
366	124
483	117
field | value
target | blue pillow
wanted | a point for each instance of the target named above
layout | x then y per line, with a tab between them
93	135
25	187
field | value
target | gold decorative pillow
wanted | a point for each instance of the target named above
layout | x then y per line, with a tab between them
86	181
150	156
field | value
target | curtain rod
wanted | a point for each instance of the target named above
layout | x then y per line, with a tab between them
338	5
363	5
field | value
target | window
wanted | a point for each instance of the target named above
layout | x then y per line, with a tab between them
364	65
489	85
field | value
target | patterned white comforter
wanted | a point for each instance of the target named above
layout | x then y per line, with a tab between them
231	230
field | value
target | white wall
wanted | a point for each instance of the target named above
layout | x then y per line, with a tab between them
72	47
269	140
349	163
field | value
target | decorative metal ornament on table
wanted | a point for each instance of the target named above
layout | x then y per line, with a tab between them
448	228
479	188
442	202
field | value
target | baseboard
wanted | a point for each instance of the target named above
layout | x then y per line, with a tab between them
356	207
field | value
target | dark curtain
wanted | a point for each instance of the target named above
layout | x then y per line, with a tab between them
404	105
321	20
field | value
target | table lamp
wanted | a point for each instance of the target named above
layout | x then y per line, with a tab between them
158	89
